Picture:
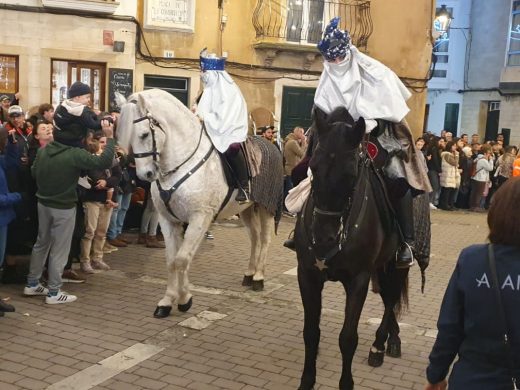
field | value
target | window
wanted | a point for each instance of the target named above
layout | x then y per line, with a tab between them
176	86
451	117
305	20
441	73
8	75
441	49
494	106
513	56
64	73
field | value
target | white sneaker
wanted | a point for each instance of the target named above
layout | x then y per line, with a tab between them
36	290
61	297
433	207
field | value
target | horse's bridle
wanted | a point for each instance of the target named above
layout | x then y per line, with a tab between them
154	153
344	216
166	194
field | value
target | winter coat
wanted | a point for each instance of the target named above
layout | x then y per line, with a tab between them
73	120
57	169
8	199
450	176
469	322
112	177
293	152
483	168
505	165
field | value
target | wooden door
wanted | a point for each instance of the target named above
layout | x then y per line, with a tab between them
297	106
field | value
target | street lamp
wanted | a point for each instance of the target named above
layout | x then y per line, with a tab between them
442	20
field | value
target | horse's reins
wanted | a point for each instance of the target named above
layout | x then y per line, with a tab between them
167	194
345	217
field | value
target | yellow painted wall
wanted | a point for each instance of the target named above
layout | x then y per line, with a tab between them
400	39
40	37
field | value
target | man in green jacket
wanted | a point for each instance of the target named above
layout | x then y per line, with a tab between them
57	169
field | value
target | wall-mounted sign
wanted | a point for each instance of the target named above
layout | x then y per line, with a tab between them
170	15
119	80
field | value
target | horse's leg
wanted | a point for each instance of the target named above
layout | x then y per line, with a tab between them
251	221
376	355
266	233
356	289
311	286
198	225
394	341
173	239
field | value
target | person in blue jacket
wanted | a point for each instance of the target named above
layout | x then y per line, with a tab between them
8	160
469	320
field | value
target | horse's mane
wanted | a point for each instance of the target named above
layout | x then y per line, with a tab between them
166	108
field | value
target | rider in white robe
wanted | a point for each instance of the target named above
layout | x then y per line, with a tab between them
369	89
224	112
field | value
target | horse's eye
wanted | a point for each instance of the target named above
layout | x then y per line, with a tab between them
143	136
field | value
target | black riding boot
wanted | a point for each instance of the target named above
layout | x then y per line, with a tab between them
239	167
289	243
404	214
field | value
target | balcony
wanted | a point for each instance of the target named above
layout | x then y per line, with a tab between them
297	25
106	7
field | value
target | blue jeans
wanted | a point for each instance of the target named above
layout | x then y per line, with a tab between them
287	186
118	215
3	242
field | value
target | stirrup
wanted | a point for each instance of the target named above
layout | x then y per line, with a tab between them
242	196
400	263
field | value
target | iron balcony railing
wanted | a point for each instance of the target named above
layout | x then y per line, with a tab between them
303	21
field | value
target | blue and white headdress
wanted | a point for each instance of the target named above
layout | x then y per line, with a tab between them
335	42
211	61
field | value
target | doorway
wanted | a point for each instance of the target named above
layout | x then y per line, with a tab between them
66	72
493	117
297	106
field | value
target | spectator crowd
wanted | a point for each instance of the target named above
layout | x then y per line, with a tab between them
66	192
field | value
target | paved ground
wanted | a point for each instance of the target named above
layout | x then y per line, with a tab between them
251	340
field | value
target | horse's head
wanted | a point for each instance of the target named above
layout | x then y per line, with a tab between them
146	120
334	166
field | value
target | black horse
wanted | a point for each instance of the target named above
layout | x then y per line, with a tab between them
347	232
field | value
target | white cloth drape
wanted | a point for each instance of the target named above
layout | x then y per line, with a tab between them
364	86
223	109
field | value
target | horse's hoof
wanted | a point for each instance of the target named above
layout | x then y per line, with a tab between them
257	285
375	359
394	350
306	384
162	311
247	281
184	308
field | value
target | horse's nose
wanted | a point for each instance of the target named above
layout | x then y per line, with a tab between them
149	174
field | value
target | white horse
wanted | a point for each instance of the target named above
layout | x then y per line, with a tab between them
174	152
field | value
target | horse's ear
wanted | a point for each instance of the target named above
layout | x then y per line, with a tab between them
119	99
143	104
359	129
319	119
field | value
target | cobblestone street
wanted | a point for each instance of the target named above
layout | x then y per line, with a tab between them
245	340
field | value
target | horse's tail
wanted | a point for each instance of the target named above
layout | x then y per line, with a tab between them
402	303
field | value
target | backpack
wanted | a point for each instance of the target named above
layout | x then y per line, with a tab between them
473	171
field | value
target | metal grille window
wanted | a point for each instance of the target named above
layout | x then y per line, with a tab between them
513	56
303	21
176	86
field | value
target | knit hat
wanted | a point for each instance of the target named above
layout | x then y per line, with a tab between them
78	89
4	97
335	42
